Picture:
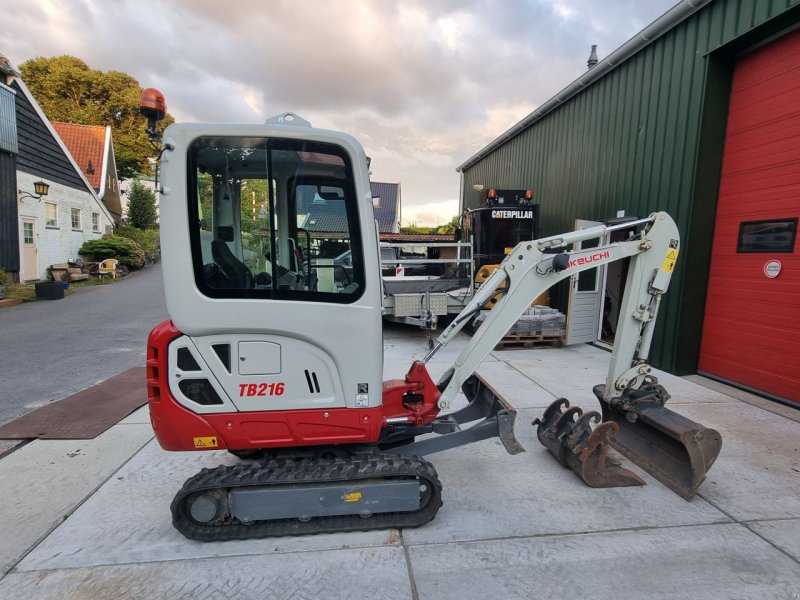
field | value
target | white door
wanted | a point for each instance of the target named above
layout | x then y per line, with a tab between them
585	296
30	254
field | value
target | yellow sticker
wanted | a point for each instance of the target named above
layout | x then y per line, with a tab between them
669	260
206	442
508	249
352	497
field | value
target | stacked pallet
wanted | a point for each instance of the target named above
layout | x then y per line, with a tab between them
538	326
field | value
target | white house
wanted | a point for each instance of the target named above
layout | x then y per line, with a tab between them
38	231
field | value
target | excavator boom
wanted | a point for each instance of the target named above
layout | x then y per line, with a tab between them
672	448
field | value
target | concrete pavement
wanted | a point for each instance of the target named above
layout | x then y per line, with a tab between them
91	519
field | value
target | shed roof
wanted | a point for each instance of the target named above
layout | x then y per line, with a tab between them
416	237
387	212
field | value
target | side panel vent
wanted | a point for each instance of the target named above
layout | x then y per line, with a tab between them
200	391
223	351
313	383
187	362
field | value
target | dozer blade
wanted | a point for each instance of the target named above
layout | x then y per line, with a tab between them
675	450
579	447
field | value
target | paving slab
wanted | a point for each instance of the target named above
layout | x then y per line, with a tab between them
785	410
573	371
785	534
140	415
6	446
404	350
489	494
512	383
346	574
757	474
128	520
45	480
702	563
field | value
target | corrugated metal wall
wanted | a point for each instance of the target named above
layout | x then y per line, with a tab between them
9	219
628	142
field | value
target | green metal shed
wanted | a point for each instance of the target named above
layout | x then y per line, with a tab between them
642	130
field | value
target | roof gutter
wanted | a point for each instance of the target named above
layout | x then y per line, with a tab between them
657	28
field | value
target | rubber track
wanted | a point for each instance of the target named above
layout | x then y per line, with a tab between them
299	472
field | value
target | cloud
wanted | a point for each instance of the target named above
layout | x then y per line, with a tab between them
423	85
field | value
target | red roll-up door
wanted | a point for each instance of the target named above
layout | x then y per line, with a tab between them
751	331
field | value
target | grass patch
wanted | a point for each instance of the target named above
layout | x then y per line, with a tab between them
27	291
21	291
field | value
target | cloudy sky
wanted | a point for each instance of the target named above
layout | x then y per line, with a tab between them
423	84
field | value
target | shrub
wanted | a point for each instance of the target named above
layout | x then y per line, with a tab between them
127	251
3	276
148	239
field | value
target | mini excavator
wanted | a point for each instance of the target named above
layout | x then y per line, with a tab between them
274	348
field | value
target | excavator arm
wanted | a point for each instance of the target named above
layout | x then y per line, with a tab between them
674	449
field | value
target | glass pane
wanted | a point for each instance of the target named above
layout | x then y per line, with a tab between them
275	219
767	236
50	214
27	232
587	280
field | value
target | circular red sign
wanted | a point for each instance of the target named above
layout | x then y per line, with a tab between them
772	268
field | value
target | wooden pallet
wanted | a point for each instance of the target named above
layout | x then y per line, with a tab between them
511	341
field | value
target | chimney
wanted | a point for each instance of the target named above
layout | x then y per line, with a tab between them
592	57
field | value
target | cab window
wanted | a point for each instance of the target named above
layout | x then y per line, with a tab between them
274	218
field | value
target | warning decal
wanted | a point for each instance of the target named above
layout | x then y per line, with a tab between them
669	260
206	442
352	497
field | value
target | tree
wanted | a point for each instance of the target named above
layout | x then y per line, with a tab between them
142	207
69	90
450	227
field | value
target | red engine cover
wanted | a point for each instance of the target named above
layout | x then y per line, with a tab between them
178	428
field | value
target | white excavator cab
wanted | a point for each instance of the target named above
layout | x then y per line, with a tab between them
270	258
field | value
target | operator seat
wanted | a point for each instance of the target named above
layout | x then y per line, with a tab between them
235	270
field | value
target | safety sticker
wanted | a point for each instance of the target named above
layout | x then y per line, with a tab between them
206	442
669	260
352	497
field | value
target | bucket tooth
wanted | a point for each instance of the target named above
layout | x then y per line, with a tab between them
579	447
675	450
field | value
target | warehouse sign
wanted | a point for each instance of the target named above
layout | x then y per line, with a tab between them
512	214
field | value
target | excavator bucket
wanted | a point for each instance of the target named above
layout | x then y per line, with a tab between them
675	450
579	447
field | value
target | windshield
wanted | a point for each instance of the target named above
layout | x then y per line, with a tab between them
271	218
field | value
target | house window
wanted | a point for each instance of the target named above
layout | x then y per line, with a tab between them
95	221
50	214
75	213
